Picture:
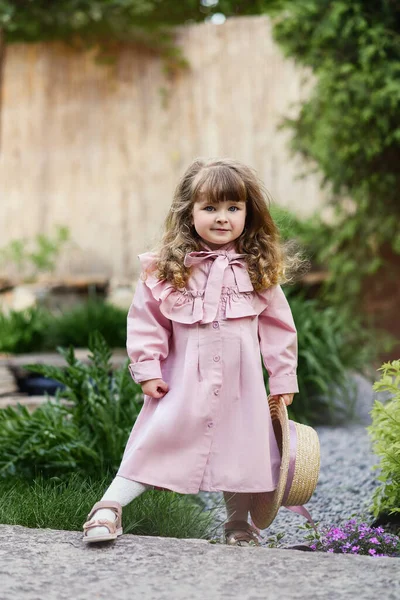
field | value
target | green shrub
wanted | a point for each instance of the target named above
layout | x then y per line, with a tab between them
74	327
330	346
385	433
86	435
309	233
65	504
348	128
112	20
25	330
36	329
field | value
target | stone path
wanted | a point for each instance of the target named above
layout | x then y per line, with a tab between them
55	565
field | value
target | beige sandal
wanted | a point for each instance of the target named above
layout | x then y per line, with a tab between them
241	533
114	527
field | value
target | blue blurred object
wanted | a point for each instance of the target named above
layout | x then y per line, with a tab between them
39	385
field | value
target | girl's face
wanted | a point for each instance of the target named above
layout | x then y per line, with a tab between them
218	224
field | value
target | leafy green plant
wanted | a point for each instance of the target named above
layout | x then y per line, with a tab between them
46	441
64	504
385	434
349	127
121	20
85	434
309	233
41	258
74	326
105	24
25	330
331	345
36	329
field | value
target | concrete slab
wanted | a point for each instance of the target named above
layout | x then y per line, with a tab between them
42	564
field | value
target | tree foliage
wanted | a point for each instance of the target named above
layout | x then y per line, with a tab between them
104	24
349	128
125	20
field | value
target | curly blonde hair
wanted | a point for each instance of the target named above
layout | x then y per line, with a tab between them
220	179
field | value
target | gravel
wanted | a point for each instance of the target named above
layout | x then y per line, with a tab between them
346	482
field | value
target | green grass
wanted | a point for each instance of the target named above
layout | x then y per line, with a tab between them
61	505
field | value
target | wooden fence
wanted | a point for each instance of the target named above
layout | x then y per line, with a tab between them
100	148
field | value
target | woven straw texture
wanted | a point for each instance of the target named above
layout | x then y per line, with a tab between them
265	506
307	466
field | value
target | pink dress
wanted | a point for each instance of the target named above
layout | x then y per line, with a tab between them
212	430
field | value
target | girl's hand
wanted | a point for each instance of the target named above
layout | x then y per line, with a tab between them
156	388
288	398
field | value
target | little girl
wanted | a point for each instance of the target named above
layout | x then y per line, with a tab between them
207	304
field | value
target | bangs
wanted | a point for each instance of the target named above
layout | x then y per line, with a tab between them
219	184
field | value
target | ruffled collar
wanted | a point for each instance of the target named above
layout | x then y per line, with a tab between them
191	306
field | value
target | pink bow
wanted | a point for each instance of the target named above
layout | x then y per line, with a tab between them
214	284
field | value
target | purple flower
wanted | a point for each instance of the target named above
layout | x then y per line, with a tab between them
356	538
374	540
346	545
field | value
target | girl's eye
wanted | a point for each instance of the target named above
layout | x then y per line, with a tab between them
212	208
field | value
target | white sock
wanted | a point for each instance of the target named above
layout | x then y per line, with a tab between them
121	490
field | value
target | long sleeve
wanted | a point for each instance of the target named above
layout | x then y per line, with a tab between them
148	334
278	342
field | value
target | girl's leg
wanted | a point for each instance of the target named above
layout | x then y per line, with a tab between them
237	509
237	506
121	490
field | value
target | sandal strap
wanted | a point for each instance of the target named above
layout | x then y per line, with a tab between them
110	504
111	525
239	536
242	531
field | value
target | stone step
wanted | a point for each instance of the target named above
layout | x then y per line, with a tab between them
30	402
8	383
15	363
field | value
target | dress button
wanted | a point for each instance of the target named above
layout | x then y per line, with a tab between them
210	425
215	324
216	392
216	358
